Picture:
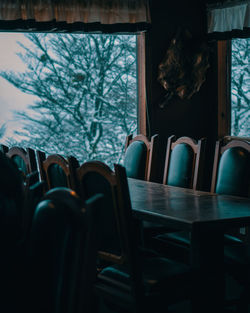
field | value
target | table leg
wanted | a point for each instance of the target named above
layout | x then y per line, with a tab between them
207	265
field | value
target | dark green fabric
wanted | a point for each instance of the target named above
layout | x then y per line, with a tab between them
20	164
57	176
180	167
54	253
156	272
135	160
94	183
11	201
233	172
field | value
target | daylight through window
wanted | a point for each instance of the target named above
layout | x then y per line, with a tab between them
240	87
73	94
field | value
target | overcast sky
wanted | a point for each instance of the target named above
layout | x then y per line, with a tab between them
10	97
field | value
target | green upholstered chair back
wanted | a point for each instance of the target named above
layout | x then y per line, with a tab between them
95	177
11	200
56	171
141	157
233	176
184	162
135	160
57	176
20	164
57	254
181	166
24	159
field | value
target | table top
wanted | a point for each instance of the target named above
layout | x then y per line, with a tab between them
183	208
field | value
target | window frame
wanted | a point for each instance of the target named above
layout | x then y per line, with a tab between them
141	83
224	88
142	124
224	51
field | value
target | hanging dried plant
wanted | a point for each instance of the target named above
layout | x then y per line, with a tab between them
183	69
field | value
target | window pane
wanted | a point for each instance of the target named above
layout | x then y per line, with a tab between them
240	87
73	94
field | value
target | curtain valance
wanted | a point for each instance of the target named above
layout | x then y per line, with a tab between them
228	20
103	12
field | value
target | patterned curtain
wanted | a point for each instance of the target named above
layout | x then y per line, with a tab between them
71	11
230	19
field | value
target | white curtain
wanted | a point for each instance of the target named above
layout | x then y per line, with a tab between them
70	11
234	17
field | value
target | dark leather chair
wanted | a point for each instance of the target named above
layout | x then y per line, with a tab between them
231	170
61	261
56	171
11	204
184	162
129	279
141	157
183	168
24	159
140	161
231	176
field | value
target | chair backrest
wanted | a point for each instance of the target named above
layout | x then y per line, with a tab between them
116	230
184	162
24	159
11	205
231	169
56	171
11	200
96	177
58	251
114	214
141	157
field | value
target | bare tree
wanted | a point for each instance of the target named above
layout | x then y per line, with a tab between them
240	87
86	90
2	130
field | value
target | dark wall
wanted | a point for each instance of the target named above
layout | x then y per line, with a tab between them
196	117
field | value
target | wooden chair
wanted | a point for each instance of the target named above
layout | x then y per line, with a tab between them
231	176
130	281
184	162
24	159
141	157
183	168
61	264
56	171
231	170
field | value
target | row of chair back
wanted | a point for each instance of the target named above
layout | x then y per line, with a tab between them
185	161
184	164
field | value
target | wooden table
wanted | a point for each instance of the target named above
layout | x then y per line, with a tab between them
207	216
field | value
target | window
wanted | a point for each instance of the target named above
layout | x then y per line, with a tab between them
240	87
234	87
83	93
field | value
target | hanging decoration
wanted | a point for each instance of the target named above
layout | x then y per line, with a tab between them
182	72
